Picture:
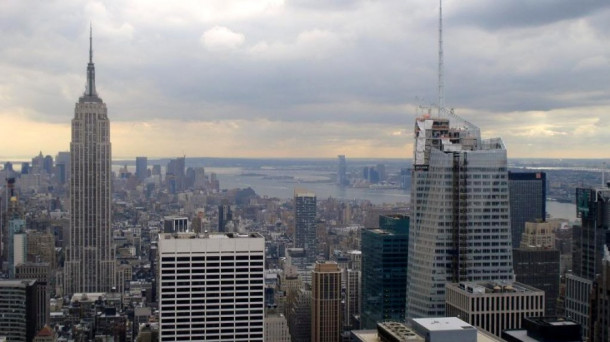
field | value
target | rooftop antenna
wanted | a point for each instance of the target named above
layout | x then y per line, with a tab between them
90	42
441	87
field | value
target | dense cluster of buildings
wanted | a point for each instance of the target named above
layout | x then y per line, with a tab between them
162	254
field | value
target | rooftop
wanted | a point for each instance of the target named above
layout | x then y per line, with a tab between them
398	331
192	235
17	283
487	287
443	324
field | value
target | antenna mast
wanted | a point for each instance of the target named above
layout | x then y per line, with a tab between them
441	86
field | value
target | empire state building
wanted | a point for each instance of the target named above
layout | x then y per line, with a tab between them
90	260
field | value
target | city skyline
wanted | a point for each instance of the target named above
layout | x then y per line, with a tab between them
261	78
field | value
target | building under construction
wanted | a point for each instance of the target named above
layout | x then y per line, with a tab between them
460	224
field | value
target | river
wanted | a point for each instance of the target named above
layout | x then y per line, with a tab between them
273	185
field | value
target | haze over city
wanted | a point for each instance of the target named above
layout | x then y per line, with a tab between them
280	78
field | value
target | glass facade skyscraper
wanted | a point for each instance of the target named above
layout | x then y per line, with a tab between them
460	222
384	271
527	201
588	242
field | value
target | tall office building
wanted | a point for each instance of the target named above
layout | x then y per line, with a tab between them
42	273
62	167
537	262
353	298
326	302
299	315
211	287
141	168
384	271
224	215
17	243
527	201
175	174
90	260
460	222
589	241
305	223
599	325
539	268
22	305
341	171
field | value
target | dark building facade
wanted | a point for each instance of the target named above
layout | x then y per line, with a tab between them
545	329
305	223
539	268
384	271
589	240
527	201
21	309
599	325
224	215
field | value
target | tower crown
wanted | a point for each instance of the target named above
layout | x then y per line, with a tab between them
90	94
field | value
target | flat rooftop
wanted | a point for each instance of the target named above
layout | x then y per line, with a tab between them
486	287
192	235
399	332
443	324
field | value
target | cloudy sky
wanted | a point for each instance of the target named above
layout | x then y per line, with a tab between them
305	78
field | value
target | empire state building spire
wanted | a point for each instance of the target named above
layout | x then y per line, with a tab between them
90	94
90	255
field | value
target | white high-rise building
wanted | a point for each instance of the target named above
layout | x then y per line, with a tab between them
211	287
90	260
460	224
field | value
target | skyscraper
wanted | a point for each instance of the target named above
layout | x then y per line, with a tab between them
599	325
460	224
305	222
211	287
527	201
326	302
62	164
175	174
460	220
589	242
384	271
224	215
537	262
90	262
341	171
22	305
141	168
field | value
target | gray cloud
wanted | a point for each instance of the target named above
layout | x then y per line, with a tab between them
522	13
355	63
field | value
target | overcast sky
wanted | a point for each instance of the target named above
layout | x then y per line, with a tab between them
305	78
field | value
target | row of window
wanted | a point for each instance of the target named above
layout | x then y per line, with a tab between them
199	324
210	264
212	270
210	295
212	258
209	313
210	318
